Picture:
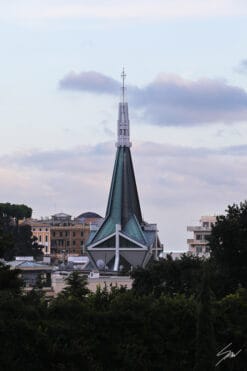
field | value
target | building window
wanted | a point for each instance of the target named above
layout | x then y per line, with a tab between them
73	234
198	249
61	234
81	233
68	243
46	238
39	238
66	233
34	229
40	229
54	234
73	243
199	237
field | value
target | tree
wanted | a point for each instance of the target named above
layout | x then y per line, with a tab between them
14	211
77	287
205	337
231	327
169	277
6	239
228	245
16	239
10	280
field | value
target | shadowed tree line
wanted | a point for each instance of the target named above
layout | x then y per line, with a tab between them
16	239
178	315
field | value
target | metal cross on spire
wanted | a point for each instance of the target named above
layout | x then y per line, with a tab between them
123	75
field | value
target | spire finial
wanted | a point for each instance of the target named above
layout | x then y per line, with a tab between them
123	75
123	118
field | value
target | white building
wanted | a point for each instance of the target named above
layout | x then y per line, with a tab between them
198	245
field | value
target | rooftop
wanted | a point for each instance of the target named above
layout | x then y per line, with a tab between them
88	214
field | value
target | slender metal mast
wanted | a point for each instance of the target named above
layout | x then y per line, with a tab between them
123	137
123	75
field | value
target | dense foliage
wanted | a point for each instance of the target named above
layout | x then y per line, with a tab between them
15	239
116	330
178	315
228	244
169	276
205	356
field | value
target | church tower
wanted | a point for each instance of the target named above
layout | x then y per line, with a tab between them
124	239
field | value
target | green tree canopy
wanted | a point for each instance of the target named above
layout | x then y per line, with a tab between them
76	286
15	211
205	336
169	277
228	245
16	239
10	280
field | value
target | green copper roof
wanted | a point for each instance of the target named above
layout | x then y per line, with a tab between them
133	230
123	204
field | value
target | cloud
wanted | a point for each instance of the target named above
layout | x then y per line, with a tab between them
242	67
90	81
64	161
115	9
170	100
173	101
176	184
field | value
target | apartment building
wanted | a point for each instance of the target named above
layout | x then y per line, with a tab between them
198	244
61	235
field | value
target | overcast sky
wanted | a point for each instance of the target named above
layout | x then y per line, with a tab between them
186	64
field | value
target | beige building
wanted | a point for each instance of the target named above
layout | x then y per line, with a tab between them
67	240
42	232
198	244
61	235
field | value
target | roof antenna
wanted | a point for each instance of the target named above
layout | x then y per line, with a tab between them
123	75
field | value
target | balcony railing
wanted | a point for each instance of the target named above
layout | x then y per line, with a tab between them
192	241
199	229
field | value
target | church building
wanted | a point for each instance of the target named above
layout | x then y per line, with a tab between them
124	240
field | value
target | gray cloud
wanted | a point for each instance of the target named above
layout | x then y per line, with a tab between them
204	165
176	184
175	101
90	81
60	160
171	100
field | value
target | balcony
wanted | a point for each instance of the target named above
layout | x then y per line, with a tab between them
199	229
192	241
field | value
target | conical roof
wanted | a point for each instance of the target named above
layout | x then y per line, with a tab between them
123	203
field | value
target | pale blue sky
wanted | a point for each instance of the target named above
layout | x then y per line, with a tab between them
187	77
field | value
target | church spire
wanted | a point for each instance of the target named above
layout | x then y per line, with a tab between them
123	118
123	240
